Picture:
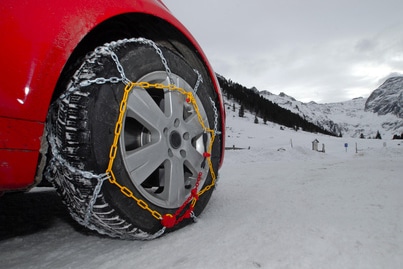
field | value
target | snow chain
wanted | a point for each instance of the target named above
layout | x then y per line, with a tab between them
167	220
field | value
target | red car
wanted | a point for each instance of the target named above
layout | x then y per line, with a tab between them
116	105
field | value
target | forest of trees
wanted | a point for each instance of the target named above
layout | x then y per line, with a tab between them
398	136
252	101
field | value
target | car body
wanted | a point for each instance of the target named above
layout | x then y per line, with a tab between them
40	39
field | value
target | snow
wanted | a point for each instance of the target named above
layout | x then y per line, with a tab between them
278	204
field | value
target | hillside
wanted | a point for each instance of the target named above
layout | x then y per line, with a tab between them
251	100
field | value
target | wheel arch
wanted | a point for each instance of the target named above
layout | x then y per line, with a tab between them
168	34
130	25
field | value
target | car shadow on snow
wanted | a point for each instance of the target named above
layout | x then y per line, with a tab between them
31	212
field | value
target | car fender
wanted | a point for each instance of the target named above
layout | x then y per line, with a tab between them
39	37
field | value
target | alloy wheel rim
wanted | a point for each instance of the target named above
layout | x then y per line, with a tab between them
162	144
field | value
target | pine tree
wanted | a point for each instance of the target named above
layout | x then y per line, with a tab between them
241	112
378	135
256	120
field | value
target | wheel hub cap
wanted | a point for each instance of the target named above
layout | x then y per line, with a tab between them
175	140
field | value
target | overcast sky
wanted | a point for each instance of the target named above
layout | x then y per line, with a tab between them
314	50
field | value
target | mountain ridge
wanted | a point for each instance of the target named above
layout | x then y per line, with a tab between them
354	118
387	98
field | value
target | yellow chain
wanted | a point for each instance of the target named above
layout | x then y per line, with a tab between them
118	129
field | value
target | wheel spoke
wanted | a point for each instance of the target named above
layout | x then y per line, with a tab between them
194	160
173	104
142	162
193	125
174	190
143	108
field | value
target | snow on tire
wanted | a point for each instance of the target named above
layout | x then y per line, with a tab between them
161	148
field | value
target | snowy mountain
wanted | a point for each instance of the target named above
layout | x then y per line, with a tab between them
354	118
388	98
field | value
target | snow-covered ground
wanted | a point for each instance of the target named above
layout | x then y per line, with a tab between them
278	204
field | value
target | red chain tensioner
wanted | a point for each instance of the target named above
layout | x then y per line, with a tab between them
169	220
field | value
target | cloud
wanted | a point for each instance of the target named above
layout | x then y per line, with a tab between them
365	45
324	51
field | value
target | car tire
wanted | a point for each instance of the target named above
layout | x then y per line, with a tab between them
161	160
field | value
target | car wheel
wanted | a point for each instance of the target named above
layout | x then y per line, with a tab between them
134	140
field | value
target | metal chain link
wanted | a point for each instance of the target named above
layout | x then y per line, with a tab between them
119	66
144	41
94	197
101	80
56	155
199	80
85	174
215	116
